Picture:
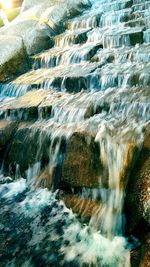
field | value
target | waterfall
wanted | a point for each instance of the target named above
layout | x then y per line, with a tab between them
76	123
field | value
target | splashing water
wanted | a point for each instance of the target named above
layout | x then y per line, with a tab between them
39	228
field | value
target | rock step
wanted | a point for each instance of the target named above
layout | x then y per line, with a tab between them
100	19
115	37
116	5
139	22
140	54
73	78
123	37
135	2
69	38
93	19
147	36
64	107
97	76
142	6
69	55
78	53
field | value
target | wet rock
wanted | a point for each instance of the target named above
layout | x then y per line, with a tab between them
7	130
81	164
136	38
140	256
73	77
82	206
12	57
25	107
28	147
131	36
76	37
53	14
146	252
137	199
45	179
91	110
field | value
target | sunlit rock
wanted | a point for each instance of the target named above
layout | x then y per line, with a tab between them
27	4
33	38
12	57
23	108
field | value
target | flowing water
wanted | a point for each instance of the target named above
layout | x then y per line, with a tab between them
96	80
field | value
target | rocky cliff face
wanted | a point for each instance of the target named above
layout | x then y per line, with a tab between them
77	119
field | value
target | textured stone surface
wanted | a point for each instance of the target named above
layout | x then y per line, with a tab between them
12	57
81	165
34	39
138	195
26	150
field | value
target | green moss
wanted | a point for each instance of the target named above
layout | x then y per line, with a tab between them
11	14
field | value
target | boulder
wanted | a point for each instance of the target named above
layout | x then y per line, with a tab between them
12	57
59	11
32	32
137	198
34	39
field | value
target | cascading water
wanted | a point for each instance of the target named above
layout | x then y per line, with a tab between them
95	81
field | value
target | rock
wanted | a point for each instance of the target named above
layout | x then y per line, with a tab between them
137	198
33	149
34	38
75	37
56	14
84	207
54	17
146	253
7	130
73	78
140	256
12	57
45	179
27	4
24	107
29	146
82	166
